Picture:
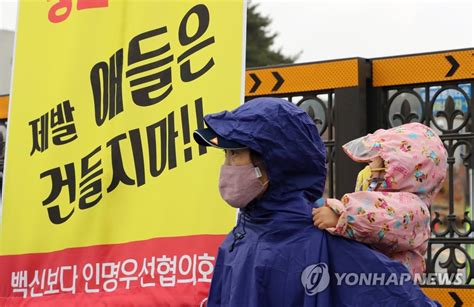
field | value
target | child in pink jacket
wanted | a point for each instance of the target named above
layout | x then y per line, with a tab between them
390	208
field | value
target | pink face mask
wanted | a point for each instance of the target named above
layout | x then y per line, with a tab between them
239	185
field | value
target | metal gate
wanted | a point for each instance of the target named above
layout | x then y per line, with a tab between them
352	97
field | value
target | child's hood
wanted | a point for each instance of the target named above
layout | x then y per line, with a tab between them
415	158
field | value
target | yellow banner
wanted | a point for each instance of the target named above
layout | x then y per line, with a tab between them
105	97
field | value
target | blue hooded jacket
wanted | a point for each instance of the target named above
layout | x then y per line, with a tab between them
275	256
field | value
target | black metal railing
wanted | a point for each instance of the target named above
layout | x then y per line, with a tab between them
447	108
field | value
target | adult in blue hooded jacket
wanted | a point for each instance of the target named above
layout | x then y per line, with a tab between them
275	256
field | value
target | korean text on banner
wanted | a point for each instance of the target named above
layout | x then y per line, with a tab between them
103	180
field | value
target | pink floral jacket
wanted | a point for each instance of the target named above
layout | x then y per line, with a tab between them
395	219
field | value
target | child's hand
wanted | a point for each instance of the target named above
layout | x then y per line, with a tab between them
324	217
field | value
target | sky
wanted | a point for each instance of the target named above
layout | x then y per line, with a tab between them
323	29
8	14
334	29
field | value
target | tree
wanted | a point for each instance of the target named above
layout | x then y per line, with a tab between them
260	40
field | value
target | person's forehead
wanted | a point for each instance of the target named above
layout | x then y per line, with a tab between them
238	151
377	161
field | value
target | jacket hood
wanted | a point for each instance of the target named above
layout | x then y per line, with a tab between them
415	158
286	138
